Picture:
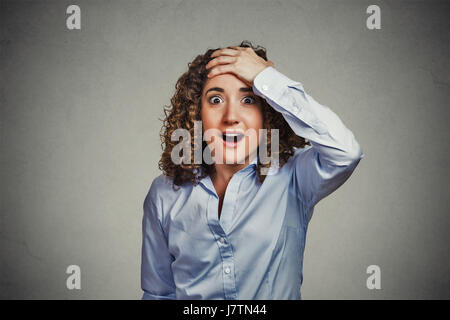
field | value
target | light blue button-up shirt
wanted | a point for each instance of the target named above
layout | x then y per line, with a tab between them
255	250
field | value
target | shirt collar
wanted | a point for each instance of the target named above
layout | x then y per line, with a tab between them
207	182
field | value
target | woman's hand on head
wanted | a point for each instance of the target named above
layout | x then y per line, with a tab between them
242	62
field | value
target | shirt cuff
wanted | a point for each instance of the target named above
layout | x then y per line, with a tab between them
273	86
271	83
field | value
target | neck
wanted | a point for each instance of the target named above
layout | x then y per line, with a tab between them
224	172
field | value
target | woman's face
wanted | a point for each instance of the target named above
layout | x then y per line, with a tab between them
229	105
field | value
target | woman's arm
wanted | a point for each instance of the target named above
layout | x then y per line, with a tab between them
334	154
156	272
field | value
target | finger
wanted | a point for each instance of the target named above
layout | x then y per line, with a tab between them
221	69
237	48
245	49
220	60
225	52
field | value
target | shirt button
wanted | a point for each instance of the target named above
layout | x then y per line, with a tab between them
265	87
227	270
222	240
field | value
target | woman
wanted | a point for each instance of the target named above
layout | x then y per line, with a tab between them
236	228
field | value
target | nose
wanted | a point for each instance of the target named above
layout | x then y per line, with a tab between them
231	114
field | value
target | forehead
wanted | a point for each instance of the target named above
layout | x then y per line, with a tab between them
225	81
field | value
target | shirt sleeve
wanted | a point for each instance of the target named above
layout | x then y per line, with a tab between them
334	153
156	272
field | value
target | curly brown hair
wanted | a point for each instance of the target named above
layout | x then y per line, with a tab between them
185	109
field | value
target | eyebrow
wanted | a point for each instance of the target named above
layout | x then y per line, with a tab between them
247	89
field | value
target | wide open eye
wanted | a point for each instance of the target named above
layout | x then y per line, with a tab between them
249	100
215	99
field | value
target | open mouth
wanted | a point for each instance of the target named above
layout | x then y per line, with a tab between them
231	139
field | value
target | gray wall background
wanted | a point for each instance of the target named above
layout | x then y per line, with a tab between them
80	142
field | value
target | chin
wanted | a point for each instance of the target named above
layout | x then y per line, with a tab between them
232	158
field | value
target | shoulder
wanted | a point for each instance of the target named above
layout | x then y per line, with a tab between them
299	151
163	195
162	191
275	172
160	188
299	155
160	184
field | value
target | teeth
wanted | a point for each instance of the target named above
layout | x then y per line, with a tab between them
230	137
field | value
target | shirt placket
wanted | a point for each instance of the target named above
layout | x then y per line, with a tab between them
220	229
